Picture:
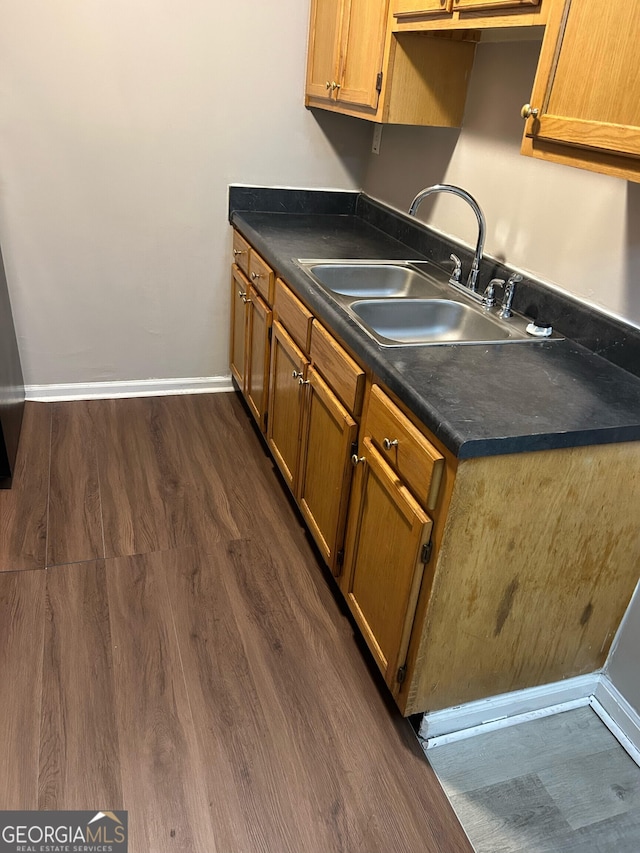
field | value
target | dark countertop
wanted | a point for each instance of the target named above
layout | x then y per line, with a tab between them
479	400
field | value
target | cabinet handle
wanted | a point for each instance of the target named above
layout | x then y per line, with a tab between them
297	374
335	86
328	85
356	460
302	381
242	294
528	111
237	252
256	275
388	444
245	299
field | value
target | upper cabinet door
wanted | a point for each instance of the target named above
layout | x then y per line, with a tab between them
586	92
324	41
361	51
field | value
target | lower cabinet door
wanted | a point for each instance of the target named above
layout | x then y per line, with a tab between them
387	532
328	431
257	369
238	331
286	397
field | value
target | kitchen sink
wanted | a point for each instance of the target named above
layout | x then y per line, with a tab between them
379	280
429	321
413	303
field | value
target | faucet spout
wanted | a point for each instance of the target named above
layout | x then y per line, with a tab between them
472	281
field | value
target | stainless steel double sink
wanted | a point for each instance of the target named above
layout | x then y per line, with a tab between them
412	303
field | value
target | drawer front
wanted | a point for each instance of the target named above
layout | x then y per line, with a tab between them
413	8
405	448
241	251
293	315
261	276
341	372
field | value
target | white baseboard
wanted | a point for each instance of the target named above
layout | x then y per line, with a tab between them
498	711
620	718
128	388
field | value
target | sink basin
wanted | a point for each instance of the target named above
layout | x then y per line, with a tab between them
366	280
429	321
413	303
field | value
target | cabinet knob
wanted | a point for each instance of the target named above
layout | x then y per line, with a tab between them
328	84
302	381
528	111
334	86
256	275
242	294
237	252
356	460
245	299
297	374
389	443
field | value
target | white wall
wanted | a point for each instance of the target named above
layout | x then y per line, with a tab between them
121	124
623	665
572	228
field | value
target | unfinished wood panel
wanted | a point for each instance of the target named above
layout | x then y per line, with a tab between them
429	80
161	767
597	111
79	759
383	560
238	330
404	447
323	52
538	562
21	654
286	397
343	374
23	507
261	277
328	432
241	250
362	48
258	356
75	517
293	315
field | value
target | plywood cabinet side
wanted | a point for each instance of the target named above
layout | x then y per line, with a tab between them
538	561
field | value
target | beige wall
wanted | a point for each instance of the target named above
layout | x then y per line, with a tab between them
575	229
121	125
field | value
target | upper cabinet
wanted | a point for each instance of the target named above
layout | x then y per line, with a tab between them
356	66
585	109
465	14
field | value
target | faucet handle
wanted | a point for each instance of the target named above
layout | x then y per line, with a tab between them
489	296
457	271
507	300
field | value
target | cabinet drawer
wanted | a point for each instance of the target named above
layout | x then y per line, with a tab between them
241	252
420	7
293	315
261	276
405	448
344	376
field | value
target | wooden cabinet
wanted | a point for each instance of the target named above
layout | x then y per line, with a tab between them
585	109
385	557
250	327
467	14
346	43
357	67
311	428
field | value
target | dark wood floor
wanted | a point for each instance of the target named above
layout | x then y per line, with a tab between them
169	644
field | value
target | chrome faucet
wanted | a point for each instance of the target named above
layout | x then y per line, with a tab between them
472	281
509	290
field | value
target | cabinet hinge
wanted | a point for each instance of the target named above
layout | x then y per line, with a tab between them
266	420
401	674
270	333
340	558
354	448
379	82
426	552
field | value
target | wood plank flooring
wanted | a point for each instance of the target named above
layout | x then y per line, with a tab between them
560	784
170	645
